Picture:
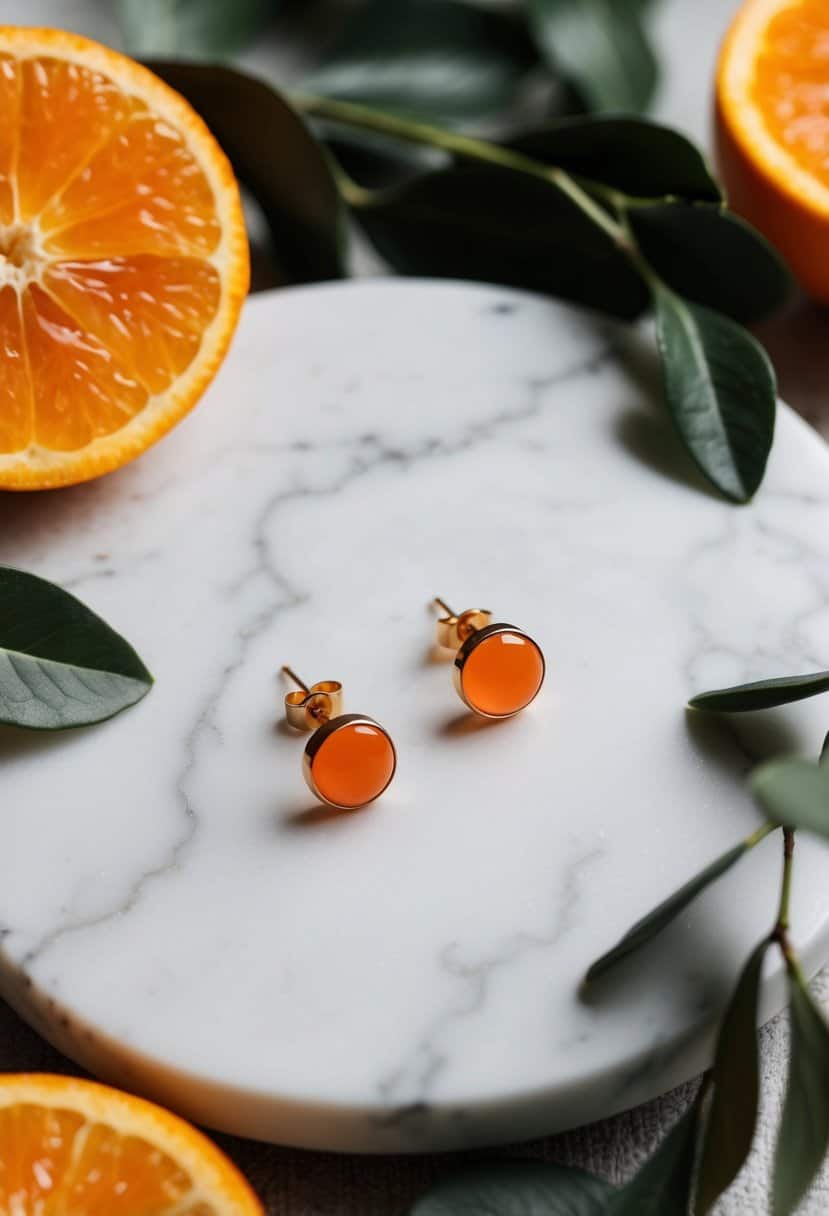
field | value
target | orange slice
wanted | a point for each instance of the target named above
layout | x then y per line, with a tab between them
123	258
773	128
74	1148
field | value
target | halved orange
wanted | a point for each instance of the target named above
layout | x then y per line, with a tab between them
772	107
75	1148
123	258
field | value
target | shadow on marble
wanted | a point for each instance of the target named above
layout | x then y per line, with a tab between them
755	737
645	430
314	816
283	727
16	743
467	723
436	656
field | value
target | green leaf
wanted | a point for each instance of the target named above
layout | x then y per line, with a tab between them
655	921
516	1188
712	257
432	59
762	694
633	155
60	664
504	227
720	390
794	792
664	1183
804	1126
729	1128
277	158
189	28
600	46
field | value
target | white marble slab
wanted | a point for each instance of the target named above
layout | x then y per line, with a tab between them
175	914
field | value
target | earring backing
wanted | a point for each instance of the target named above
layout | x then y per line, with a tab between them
350	759
498	669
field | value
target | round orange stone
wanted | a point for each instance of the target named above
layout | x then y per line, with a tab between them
502	674
353	765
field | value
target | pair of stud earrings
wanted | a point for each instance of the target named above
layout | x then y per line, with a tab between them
350	759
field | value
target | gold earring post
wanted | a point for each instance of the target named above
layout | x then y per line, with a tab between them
443	604
292	675
454	628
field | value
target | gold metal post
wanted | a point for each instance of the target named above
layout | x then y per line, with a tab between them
292	675
454	628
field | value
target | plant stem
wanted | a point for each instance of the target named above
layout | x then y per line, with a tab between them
368	119
762	832
786	886
780	932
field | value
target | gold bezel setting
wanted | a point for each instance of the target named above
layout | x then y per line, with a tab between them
470	645
319	738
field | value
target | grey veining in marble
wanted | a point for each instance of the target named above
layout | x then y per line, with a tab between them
175	912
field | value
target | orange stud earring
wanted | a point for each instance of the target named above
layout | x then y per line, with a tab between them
498	669
350	759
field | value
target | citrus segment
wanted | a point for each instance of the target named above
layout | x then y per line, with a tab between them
773	129
123	258
149	312
70	1146
79	389
15	388
790	83
51	149
169	207
9	129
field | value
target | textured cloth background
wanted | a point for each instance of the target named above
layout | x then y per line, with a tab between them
687	33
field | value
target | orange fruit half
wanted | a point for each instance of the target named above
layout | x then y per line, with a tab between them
75	1148
123	258
772	106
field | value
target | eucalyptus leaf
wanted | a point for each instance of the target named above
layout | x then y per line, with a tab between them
720	390
732	1117
711	256
601	47
516	1188
439	60
804	1126
277	158
794	792
189	28
60	664
505	227
668	910
762	694
662	1187
632	155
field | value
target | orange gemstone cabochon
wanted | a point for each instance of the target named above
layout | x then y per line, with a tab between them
354	764
502	673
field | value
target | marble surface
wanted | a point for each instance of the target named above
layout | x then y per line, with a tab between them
175	913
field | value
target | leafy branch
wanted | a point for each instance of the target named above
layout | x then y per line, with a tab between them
613	213
704	1152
